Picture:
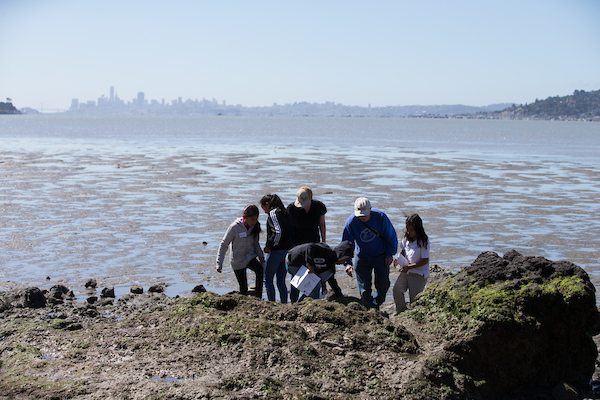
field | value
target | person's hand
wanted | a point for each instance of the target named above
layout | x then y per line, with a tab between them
408	267
267	250
349	269
396	262
388	260
310	268
262	260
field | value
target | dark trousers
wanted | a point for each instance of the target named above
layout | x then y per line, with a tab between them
242	279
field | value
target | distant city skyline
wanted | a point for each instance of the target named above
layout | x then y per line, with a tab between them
140	105
140	100
384	53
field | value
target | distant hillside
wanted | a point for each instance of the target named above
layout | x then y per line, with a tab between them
8	108
579	105
332	109
440	110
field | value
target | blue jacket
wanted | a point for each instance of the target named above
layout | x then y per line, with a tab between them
371	245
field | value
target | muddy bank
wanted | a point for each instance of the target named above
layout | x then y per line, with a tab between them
221	347
208	346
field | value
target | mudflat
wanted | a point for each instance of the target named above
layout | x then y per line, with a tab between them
145	215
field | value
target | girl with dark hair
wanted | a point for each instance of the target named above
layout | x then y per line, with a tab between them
279	241
415	271
243	235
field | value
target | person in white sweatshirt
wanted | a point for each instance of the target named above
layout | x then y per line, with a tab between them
246	253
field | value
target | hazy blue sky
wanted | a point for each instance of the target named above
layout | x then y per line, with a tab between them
256	53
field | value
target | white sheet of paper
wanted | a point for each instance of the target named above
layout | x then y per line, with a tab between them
402	261
304	281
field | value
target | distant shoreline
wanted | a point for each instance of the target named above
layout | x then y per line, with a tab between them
424	116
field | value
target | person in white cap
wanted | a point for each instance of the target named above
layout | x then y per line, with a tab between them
376	238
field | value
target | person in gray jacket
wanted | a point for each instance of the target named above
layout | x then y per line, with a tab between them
246	253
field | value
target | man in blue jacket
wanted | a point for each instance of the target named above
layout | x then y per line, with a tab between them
376	238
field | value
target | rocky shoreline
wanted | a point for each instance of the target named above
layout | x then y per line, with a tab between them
509	327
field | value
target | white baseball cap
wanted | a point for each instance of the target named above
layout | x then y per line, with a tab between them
362	207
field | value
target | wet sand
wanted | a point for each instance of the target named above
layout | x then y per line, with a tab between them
126	215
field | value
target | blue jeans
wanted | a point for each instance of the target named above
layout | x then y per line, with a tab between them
276	268
364	269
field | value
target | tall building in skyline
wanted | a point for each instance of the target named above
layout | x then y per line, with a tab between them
111	99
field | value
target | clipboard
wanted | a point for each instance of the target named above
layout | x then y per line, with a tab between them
402	261
304	281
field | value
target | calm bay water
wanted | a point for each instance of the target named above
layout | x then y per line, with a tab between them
147	199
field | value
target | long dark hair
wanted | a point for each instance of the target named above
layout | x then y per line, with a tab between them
274	202
416	222
251	211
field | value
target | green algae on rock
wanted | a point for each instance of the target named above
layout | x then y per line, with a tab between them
514	323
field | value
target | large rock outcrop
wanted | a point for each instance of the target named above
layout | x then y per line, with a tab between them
513	325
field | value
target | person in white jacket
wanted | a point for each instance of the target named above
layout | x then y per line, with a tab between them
246	253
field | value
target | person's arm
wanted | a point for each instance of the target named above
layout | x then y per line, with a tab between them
348	233
323	229
270	236
276	228
223	246
309	256
420	263
391	240
258	250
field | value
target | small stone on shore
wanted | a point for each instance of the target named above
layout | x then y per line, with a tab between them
158	288
91	284
135	289
108	292
199	289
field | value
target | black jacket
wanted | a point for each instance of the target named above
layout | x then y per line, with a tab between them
279	230
319	255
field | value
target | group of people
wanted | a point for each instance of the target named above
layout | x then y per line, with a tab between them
296	237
